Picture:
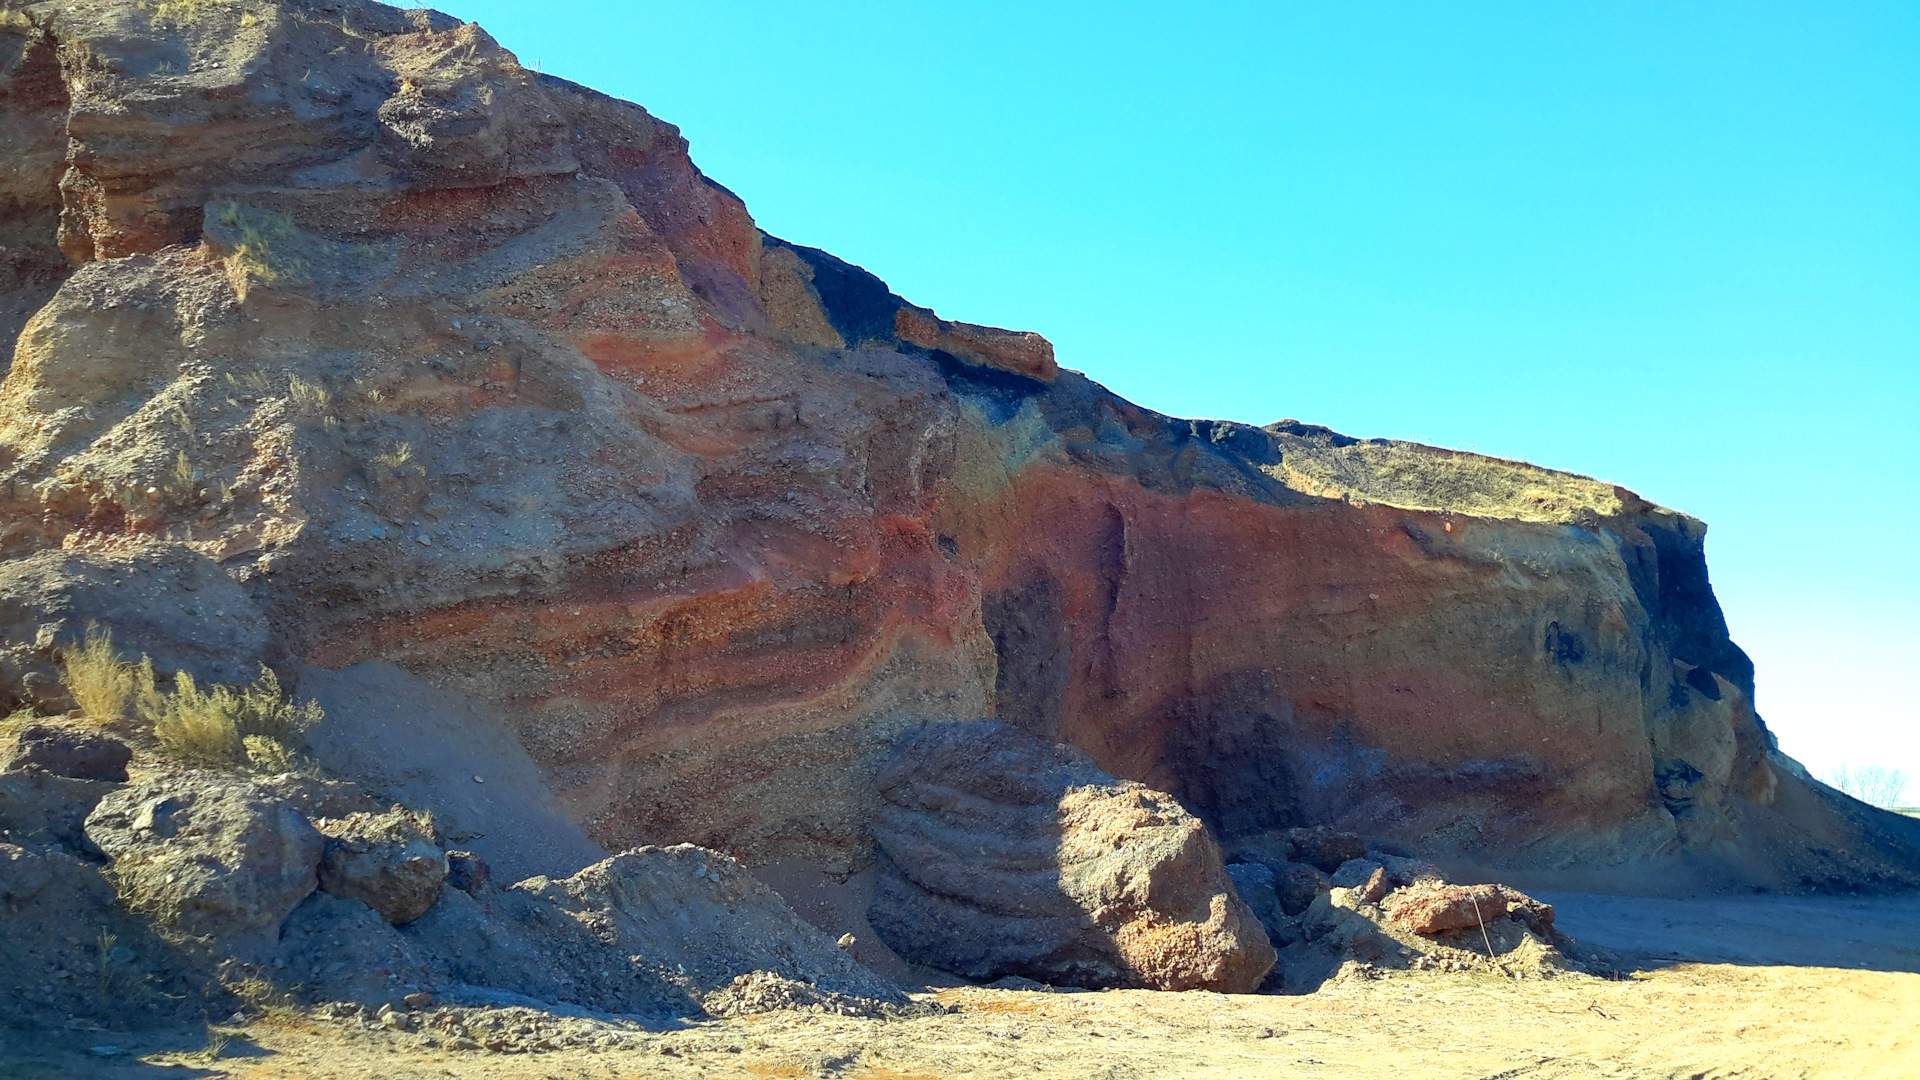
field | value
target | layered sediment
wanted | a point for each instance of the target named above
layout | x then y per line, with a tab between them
466	369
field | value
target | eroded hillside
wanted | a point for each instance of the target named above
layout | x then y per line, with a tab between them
433	360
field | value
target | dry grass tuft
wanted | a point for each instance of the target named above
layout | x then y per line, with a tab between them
309	398
102	684
399	455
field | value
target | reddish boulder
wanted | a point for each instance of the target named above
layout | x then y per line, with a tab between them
1433	908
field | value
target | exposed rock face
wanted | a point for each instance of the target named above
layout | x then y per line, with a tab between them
208	856
391	862
165	601
1004	855
469	370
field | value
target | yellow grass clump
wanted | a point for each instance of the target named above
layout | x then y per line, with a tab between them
254	726
225	725
102	684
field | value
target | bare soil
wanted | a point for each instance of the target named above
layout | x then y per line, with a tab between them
1846	1007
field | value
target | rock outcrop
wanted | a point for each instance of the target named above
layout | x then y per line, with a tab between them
77	751
469	370
1003	855
391	862
209	857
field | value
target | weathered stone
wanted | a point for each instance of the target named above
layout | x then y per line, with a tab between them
1325	849
1432	908
391	862
1006	855
165	601
74	750
469	370
467	872
1377	886
1297	884
209	855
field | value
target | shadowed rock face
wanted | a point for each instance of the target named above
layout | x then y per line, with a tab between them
469	370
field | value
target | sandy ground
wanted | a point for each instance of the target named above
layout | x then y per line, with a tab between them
1818	988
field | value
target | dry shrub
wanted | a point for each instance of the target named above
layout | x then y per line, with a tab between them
221	726
225	725
102	684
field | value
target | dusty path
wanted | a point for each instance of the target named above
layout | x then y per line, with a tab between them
1680	1020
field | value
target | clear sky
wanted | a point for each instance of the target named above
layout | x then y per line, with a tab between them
1672	246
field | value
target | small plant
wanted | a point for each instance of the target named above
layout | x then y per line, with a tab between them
267	755
398	455
186	11
102	684
104	946
183	476
310	398
217	1041
212	726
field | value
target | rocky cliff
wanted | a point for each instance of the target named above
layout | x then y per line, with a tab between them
337	335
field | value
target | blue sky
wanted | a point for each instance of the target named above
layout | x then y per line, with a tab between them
1672	246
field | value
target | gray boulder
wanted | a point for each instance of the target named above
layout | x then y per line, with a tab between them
1006	855
82	752
468	872
1297	884
211	856
390	862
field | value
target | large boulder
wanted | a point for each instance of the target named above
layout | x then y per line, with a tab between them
79	751
208	856
391	862
1006	855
